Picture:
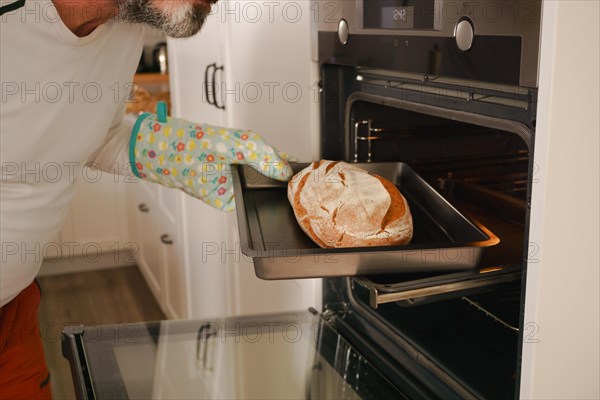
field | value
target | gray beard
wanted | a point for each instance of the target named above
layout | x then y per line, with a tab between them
180	22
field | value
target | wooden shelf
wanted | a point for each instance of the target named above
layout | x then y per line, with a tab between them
151	78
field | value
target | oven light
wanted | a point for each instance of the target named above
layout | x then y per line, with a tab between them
359	78
490	269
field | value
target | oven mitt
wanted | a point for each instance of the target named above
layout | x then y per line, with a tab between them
197	158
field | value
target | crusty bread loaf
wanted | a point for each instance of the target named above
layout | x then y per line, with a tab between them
340	205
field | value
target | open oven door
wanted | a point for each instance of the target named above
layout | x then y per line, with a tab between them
284	356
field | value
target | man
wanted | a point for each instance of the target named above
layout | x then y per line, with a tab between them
66	66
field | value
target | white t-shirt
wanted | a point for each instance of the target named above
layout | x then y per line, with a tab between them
62	105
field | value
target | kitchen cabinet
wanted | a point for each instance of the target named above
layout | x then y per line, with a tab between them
157	238
96	222
208	264
250	67
271	84
174	277
193	63
149	253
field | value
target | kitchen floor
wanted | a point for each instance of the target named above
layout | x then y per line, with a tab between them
90	298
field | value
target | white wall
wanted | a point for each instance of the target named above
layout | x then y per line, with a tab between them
561	354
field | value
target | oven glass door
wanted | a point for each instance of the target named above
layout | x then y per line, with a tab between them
288	356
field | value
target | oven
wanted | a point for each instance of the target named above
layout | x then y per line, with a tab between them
447	89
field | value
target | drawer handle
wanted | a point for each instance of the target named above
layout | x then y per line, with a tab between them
143	207
166	239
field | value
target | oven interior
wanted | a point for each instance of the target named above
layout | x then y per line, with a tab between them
464	327
483	171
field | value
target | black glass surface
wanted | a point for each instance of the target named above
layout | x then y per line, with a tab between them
287	356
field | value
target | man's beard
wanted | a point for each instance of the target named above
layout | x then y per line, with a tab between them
181	20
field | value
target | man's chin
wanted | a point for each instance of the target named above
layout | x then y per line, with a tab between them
180	21
188	24
179	33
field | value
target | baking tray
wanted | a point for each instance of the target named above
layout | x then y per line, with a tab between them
443	239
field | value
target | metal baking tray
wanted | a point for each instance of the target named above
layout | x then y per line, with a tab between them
443	239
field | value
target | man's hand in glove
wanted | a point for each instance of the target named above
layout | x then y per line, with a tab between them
197	158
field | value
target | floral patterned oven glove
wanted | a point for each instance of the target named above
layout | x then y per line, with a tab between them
196	158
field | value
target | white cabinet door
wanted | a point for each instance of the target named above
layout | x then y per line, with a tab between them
190	62
174	276
173	268
148	230
96	222
267	84
160	248
271	83
193	65
207	252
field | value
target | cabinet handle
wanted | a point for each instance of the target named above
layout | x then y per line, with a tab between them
216	104
204	353
143	207
206	84
166	239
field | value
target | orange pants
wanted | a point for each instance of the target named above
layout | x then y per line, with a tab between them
23	371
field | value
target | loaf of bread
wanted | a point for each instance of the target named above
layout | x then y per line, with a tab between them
340	205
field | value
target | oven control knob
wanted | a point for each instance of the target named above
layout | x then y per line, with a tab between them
343	31
464	34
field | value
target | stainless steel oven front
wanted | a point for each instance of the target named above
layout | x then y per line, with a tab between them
450	89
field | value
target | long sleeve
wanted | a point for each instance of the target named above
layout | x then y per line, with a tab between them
113	156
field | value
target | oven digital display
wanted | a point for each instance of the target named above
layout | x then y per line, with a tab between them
397	17
398	14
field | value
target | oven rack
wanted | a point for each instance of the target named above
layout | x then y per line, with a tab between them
492	294
505	173
428	289
504	176
490	313
510	96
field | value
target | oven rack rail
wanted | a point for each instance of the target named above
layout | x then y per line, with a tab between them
421	289
510	96
464	285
